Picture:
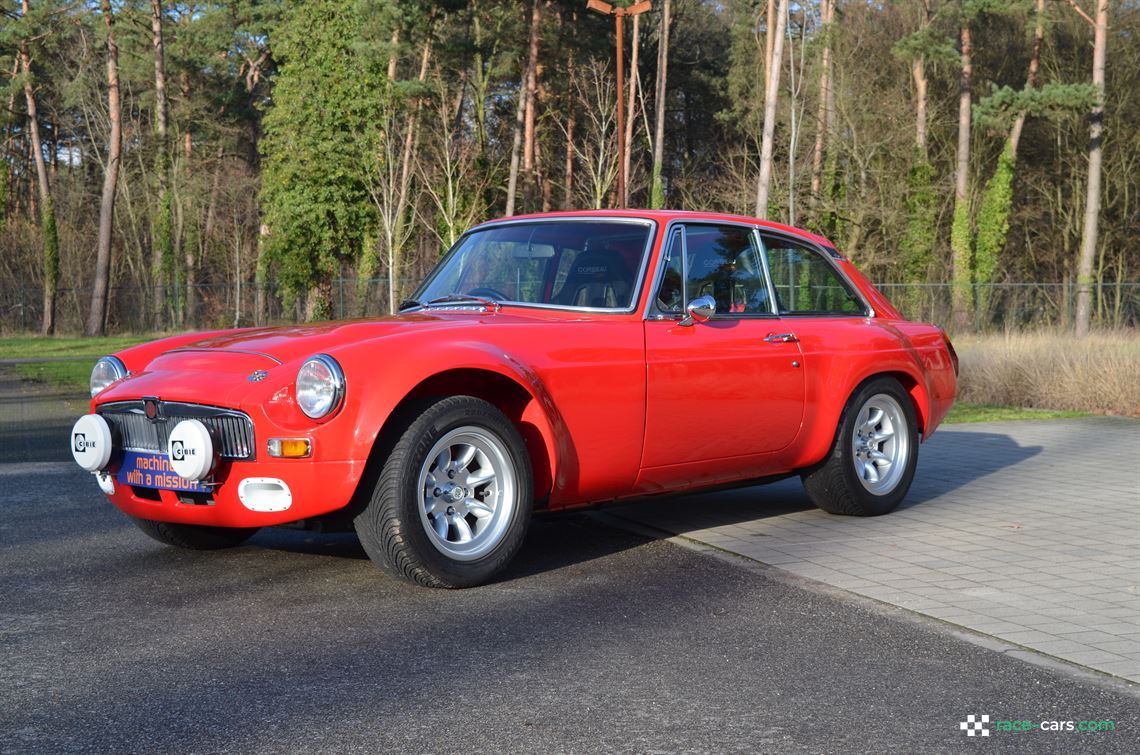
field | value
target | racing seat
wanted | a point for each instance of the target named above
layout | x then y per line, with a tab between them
598	278
728	278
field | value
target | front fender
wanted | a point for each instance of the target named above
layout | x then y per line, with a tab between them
374	391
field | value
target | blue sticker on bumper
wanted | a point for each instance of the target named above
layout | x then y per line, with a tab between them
150	470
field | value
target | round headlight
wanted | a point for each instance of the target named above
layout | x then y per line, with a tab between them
106	371
320	386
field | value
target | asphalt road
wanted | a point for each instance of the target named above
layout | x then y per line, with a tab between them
596	639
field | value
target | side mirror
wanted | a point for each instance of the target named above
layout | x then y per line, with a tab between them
700	309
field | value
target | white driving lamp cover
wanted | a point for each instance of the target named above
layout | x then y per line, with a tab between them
91	442
191	450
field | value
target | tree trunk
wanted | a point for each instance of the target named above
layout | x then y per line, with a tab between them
568	177
97	316
764	180
1092	200
516	147
531	89
826	11
162	243
393	54
631	111
47	210
769	40
261	276
657	189
997	196
159	69
918	71
187	136
1031	74
405	184
961	292
520	118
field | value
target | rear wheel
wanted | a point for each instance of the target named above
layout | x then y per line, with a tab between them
453	502
194	536
872	460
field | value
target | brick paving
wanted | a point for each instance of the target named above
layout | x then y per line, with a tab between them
1026	531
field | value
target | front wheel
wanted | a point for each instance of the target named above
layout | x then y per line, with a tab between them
453	501
872	460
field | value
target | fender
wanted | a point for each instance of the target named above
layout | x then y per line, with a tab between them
419	362
839	377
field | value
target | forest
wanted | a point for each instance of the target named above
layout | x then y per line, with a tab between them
174	165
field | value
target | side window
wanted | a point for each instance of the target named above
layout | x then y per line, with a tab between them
805	283
670	296
718	261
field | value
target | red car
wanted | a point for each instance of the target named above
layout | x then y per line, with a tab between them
548	362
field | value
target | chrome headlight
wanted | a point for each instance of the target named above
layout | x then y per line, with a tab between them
106	371
320	386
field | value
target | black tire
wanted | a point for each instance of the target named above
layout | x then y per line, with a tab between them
835	486
394	531
194	537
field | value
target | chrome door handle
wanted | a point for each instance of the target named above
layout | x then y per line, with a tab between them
781	338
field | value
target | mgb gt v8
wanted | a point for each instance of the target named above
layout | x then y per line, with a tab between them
548	362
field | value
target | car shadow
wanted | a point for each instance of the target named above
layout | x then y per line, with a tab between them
949	460
555	541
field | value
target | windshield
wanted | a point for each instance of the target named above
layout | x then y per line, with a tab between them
571	263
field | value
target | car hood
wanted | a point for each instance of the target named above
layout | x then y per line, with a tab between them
292	342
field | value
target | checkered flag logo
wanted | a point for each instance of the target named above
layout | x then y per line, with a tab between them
975	725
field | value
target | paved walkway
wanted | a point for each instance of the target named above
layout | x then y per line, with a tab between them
1026	531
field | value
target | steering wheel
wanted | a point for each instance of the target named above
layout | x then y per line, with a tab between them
488	292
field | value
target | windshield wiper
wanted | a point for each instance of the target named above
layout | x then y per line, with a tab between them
409	303
450	298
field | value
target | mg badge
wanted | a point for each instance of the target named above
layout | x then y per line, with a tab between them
257	376
150	407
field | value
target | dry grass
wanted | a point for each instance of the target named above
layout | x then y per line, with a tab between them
1050	370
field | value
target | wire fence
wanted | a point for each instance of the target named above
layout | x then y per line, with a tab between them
997	306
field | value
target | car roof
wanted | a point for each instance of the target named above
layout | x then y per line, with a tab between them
664	216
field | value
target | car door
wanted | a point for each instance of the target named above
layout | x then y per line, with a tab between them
729	387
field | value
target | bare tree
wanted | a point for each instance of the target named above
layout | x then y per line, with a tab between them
630	108
447	168
47	209
961	293
795	109
764	179
1031	74
657	189
162	246
823	111
521	110
97	316
389	183
533	71
568	178
769	40
597	147
1092	198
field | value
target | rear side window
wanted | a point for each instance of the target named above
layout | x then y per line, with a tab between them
806	283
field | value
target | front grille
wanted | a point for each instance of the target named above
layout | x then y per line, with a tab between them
232	430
